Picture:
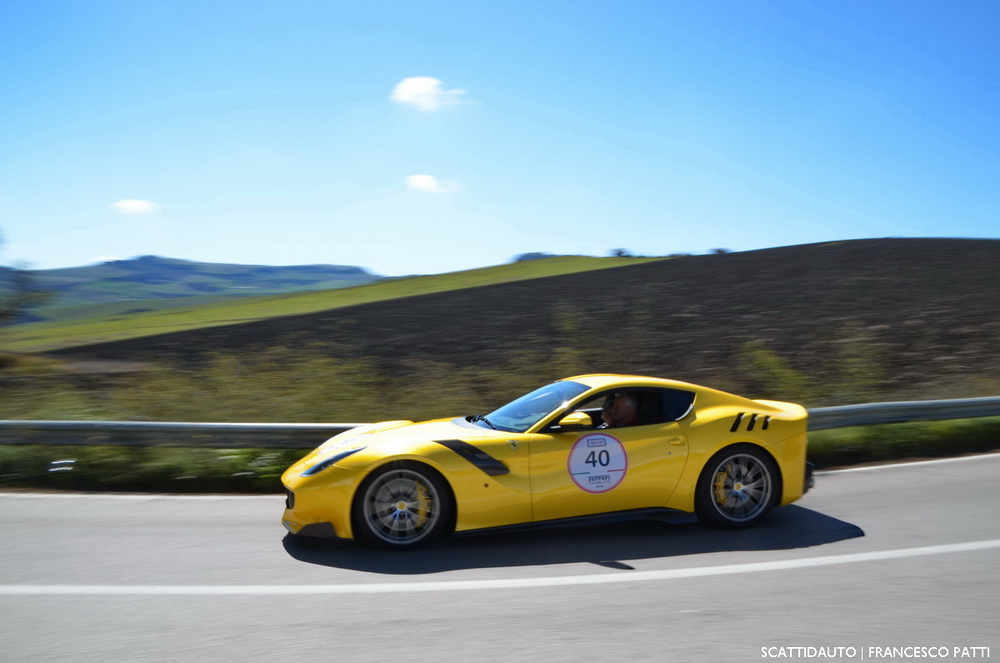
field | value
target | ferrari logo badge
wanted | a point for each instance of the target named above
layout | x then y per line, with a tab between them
512	444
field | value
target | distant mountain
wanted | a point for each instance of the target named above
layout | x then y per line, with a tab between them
536	255
153	277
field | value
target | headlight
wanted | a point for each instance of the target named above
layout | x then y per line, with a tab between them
322	465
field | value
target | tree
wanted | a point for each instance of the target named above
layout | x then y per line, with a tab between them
17	293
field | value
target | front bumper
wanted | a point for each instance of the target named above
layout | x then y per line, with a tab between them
316	513
317	530
307	513
319	505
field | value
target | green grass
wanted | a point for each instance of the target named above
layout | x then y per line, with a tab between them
119	325
74	313
890	442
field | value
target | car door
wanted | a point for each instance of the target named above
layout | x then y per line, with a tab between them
599	471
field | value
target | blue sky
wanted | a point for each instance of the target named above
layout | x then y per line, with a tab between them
423	137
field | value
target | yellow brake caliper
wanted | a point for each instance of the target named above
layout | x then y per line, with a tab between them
720	487
423	505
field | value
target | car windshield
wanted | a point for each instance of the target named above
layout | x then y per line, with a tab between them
521	414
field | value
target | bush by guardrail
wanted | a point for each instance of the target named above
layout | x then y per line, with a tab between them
249	458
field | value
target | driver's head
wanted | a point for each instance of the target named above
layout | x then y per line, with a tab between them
619	409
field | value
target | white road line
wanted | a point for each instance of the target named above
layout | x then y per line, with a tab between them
148	497
514	583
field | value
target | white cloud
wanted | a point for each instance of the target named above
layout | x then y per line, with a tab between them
425	93
431	184
132	206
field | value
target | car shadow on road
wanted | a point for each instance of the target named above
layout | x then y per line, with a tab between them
609	545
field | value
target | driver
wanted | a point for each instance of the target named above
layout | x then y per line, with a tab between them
621	409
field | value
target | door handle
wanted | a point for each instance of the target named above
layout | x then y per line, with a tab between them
676	441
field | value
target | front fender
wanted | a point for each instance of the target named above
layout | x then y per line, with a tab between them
482	499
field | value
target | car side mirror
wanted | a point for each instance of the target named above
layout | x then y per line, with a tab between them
575	421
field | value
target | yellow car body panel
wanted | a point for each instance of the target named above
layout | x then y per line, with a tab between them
654	459
531	470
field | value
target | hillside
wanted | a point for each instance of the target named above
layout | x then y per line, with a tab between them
913	317
117	321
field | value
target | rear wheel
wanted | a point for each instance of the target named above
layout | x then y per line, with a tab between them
402	505
737	487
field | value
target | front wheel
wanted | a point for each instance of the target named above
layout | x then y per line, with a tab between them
737	487
401	506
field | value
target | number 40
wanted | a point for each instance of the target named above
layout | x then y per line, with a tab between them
602	458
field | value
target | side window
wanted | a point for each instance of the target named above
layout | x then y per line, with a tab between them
676	404
660	406
653	406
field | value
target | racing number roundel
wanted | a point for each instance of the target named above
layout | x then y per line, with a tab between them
597	462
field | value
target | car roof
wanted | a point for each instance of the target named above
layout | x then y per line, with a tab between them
607	380
612	381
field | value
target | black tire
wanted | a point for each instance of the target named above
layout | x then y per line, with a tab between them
737	487
402	506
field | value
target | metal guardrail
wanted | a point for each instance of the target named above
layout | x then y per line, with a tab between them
872	414
307	436
169	434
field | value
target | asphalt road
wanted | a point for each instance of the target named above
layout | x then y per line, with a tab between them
904	556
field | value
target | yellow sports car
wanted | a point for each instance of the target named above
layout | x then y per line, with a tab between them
591	445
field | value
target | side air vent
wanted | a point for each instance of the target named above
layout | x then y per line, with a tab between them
765	422
476	456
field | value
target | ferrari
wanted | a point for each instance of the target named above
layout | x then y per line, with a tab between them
586	447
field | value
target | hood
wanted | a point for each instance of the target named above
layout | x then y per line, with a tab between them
388	432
